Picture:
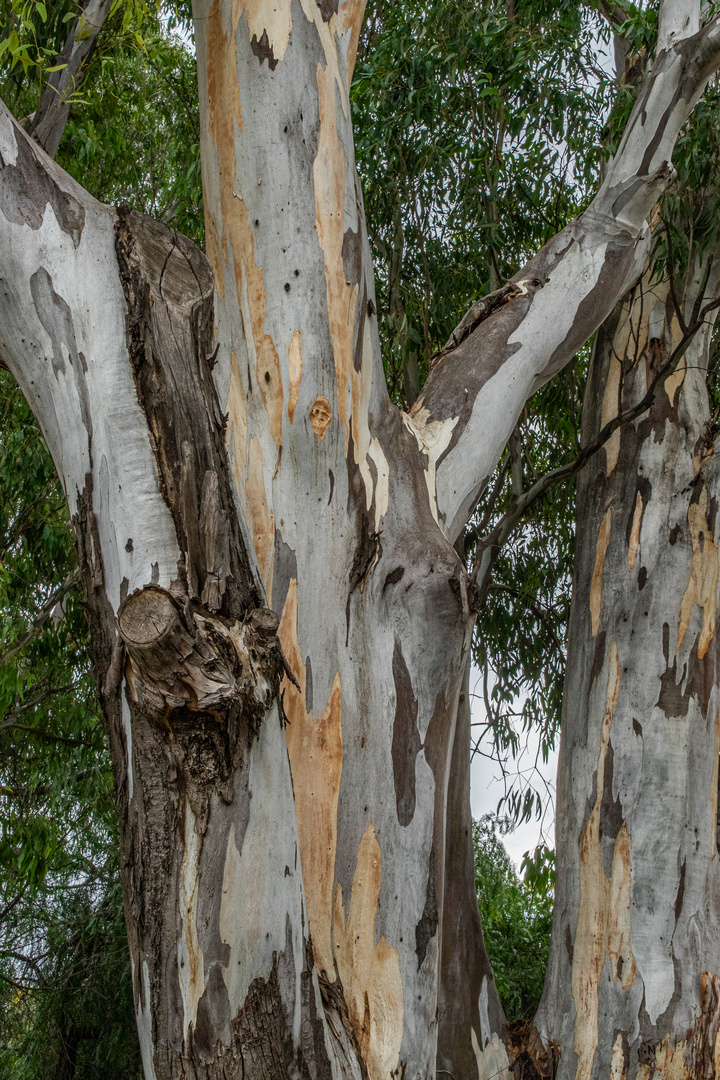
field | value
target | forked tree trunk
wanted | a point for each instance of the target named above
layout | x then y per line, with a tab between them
633	985
263	948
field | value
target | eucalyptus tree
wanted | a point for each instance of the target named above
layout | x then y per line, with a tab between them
227	446
632	985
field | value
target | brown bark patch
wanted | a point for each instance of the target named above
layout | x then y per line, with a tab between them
701	589
715	779
260	515
315	749
295	375
270	20
610	409
635	531
320	416
370	972
597	574
406	741
237	432
263	50
603	929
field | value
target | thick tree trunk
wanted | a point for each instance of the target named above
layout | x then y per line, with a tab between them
353	506
188	663
632	986
350	509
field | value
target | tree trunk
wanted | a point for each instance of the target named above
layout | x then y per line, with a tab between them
287	478
471	1021
632	986
129	410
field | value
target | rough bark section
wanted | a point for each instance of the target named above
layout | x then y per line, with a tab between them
636	925
202	669
169	289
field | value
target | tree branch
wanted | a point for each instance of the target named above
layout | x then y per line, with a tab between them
491	545
45	613
49	120
476	391
678	19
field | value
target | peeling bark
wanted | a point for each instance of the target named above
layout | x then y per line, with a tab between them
631	985
228	448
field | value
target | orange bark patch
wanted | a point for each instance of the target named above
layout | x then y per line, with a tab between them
237	423
675	380
597	576
267	365
349	21
224	114
603	929
330	175
702	584
294	374
320	416
230	240
315	749
262	519
370	972
635	531
609	410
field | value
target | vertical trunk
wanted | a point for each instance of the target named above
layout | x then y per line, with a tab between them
188	663
375	616
632	985
471	1021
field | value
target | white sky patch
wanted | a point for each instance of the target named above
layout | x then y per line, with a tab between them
488	785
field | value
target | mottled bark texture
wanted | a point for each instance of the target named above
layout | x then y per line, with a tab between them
632	984
332	508
188	661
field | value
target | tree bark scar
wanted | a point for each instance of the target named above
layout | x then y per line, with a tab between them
367	554
26	188
406	741
263	50
482	309
426	929
168	288
334	1002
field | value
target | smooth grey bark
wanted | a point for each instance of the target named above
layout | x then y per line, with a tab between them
632	983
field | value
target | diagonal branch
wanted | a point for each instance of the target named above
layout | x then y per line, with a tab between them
45	613
489	546
475	391
51	116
